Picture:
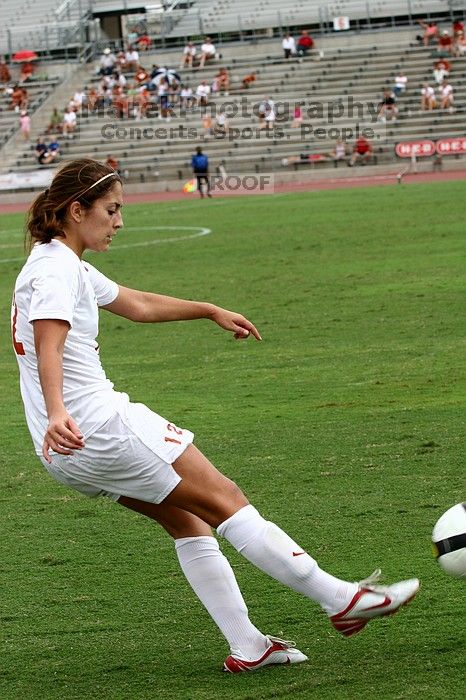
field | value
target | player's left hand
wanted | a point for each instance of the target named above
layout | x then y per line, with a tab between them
236	323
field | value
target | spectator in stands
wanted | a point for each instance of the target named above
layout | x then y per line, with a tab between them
339	152
223	81
144	42
446	96
132	35
142	101
5	75
80	99
163	99
207	126
19	98
189	52
119	78
131	59
120	61
362	151
92	98
401	82
186	97
214	86
387	106
73	105
221	125
305	44
120	103
445	44
431	32
142	77
203	93
44	157
69	123
207	52
27	70
105	97
112	162
457	28
459	47
249	79
56	122
428	101
25	124
54	148
200	165
265	106
270	117
288	46
107	62
441	70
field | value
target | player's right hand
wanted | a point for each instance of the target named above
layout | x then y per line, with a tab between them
62	436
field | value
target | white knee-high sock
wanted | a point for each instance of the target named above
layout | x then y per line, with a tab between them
272	551
213	581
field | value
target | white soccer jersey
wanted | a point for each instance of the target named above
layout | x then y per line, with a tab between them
55	284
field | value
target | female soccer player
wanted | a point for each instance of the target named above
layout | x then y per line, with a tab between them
93	439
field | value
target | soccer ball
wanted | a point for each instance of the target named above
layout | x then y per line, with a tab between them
449	541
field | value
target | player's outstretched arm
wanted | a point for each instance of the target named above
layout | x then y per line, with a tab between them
146	307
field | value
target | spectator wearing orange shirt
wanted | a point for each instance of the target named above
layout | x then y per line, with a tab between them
27	69
113	163
223	81
249	79
19	98
5	75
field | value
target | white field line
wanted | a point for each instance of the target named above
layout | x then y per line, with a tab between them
198	232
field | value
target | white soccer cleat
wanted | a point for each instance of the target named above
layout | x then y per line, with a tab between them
372	601
279	652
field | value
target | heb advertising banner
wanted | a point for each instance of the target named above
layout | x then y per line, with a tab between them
425	147
420	149
447	146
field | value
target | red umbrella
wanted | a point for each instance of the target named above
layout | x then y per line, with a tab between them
23	56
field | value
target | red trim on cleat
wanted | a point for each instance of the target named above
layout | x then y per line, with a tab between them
279	652
356	615
234	665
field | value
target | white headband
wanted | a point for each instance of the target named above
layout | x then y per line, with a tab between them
98	182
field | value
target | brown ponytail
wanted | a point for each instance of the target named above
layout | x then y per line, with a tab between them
74	182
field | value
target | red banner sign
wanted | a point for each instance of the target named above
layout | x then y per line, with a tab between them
420	149
447	147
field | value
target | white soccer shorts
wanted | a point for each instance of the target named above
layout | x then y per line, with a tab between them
130	455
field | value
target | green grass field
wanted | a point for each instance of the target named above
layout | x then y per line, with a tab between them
345	426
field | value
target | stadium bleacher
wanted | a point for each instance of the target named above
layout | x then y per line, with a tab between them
151	150
205	16
41	25
38	92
